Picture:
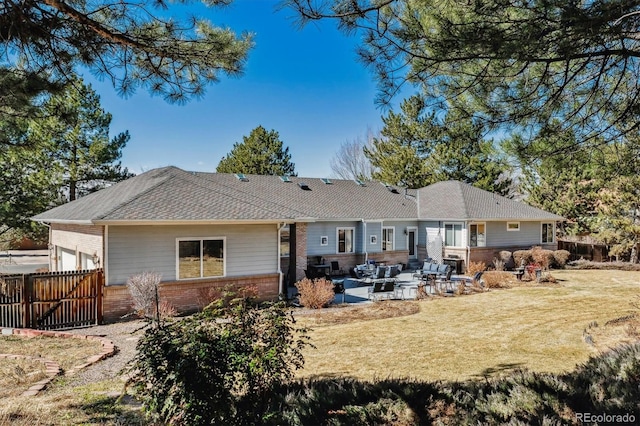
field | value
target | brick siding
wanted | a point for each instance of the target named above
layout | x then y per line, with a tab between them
187	296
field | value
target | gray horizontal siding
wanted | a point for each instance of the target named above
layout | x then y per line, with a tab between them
316	230
498	236
249	249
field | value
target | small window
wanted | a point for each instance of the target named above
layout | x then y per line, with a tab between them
477	235
387	238
548	234
324	240
200	258
453	234
345	240
513	226
373	240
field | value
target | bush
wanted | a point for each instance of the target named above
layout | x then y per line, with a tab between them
475	267
144	292
498	264
498	279
507	258
542	257
587	264
560	258
315	294
222	366
522	258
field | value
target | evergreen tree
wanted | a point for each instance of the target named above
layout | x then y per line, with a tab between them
419	148
133	44
514	62
63	152
75	132
259	153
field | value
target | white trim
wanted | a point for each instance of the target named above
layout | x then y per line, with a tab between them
485	234
105	255
553	232
384	242
353	239
513	229
201	239
415	241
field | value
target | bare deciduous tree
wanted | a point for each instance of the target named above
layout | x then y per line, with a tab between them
350	162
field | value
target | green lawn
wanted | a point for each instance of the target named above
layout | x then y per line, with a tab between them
457	338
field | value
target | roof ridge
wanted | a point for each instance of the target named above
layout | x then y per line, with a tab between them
161	173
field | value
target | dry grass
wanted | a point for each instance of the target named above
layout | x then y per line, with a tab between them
342	314
539	327
16	375
20	374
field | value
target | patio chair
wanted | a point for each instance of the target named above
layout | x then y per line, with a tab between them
335	268
338	288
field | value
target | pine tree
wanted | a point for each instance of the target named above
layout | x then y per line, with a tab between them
259	153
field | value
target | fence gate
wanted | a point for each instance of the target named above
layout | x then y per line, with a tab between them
51	300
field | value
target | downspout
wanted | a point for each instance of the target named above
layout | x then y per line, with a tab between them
364	241
280	274
105	255
49	245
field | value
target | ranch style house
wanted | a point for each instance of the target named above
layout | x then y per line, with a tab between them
202	230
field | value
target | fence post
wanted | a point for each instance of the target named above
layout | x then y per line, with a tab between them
99	276
26	302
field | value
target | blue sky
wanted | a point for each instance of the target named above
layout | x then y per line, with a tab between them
304	83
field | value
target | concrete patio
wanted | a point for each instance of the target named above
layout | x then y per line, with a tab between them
357	291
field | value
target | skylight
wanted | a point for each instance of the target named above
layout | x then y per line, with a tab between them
241	177
359	182
327	181
304	186
285	178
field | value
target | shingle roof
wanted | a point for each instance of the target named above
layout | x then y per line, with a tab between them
461	201
172	194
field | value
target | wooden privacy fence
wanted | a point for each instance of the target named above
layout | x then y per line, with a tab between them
51	300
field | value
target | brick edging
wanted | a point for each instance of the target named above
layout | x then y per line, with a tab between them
108	349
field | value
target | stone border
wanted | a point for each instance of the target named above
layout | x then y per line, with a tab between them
53	368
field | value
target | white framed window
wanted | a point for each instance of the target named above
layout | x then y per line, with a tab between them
477	235
548	234
373	240
453	234
513	226
387	238
200	257
324	240
345	240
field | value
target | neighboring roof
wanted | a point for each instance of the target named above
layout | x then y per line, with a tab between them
172	194
455	200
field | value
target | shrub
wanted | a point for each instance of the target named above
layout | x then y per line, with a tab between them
475	267
522	257
144	292
222	366
498	264
316	293
507	258
560	258
498	279
587	264
542	257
